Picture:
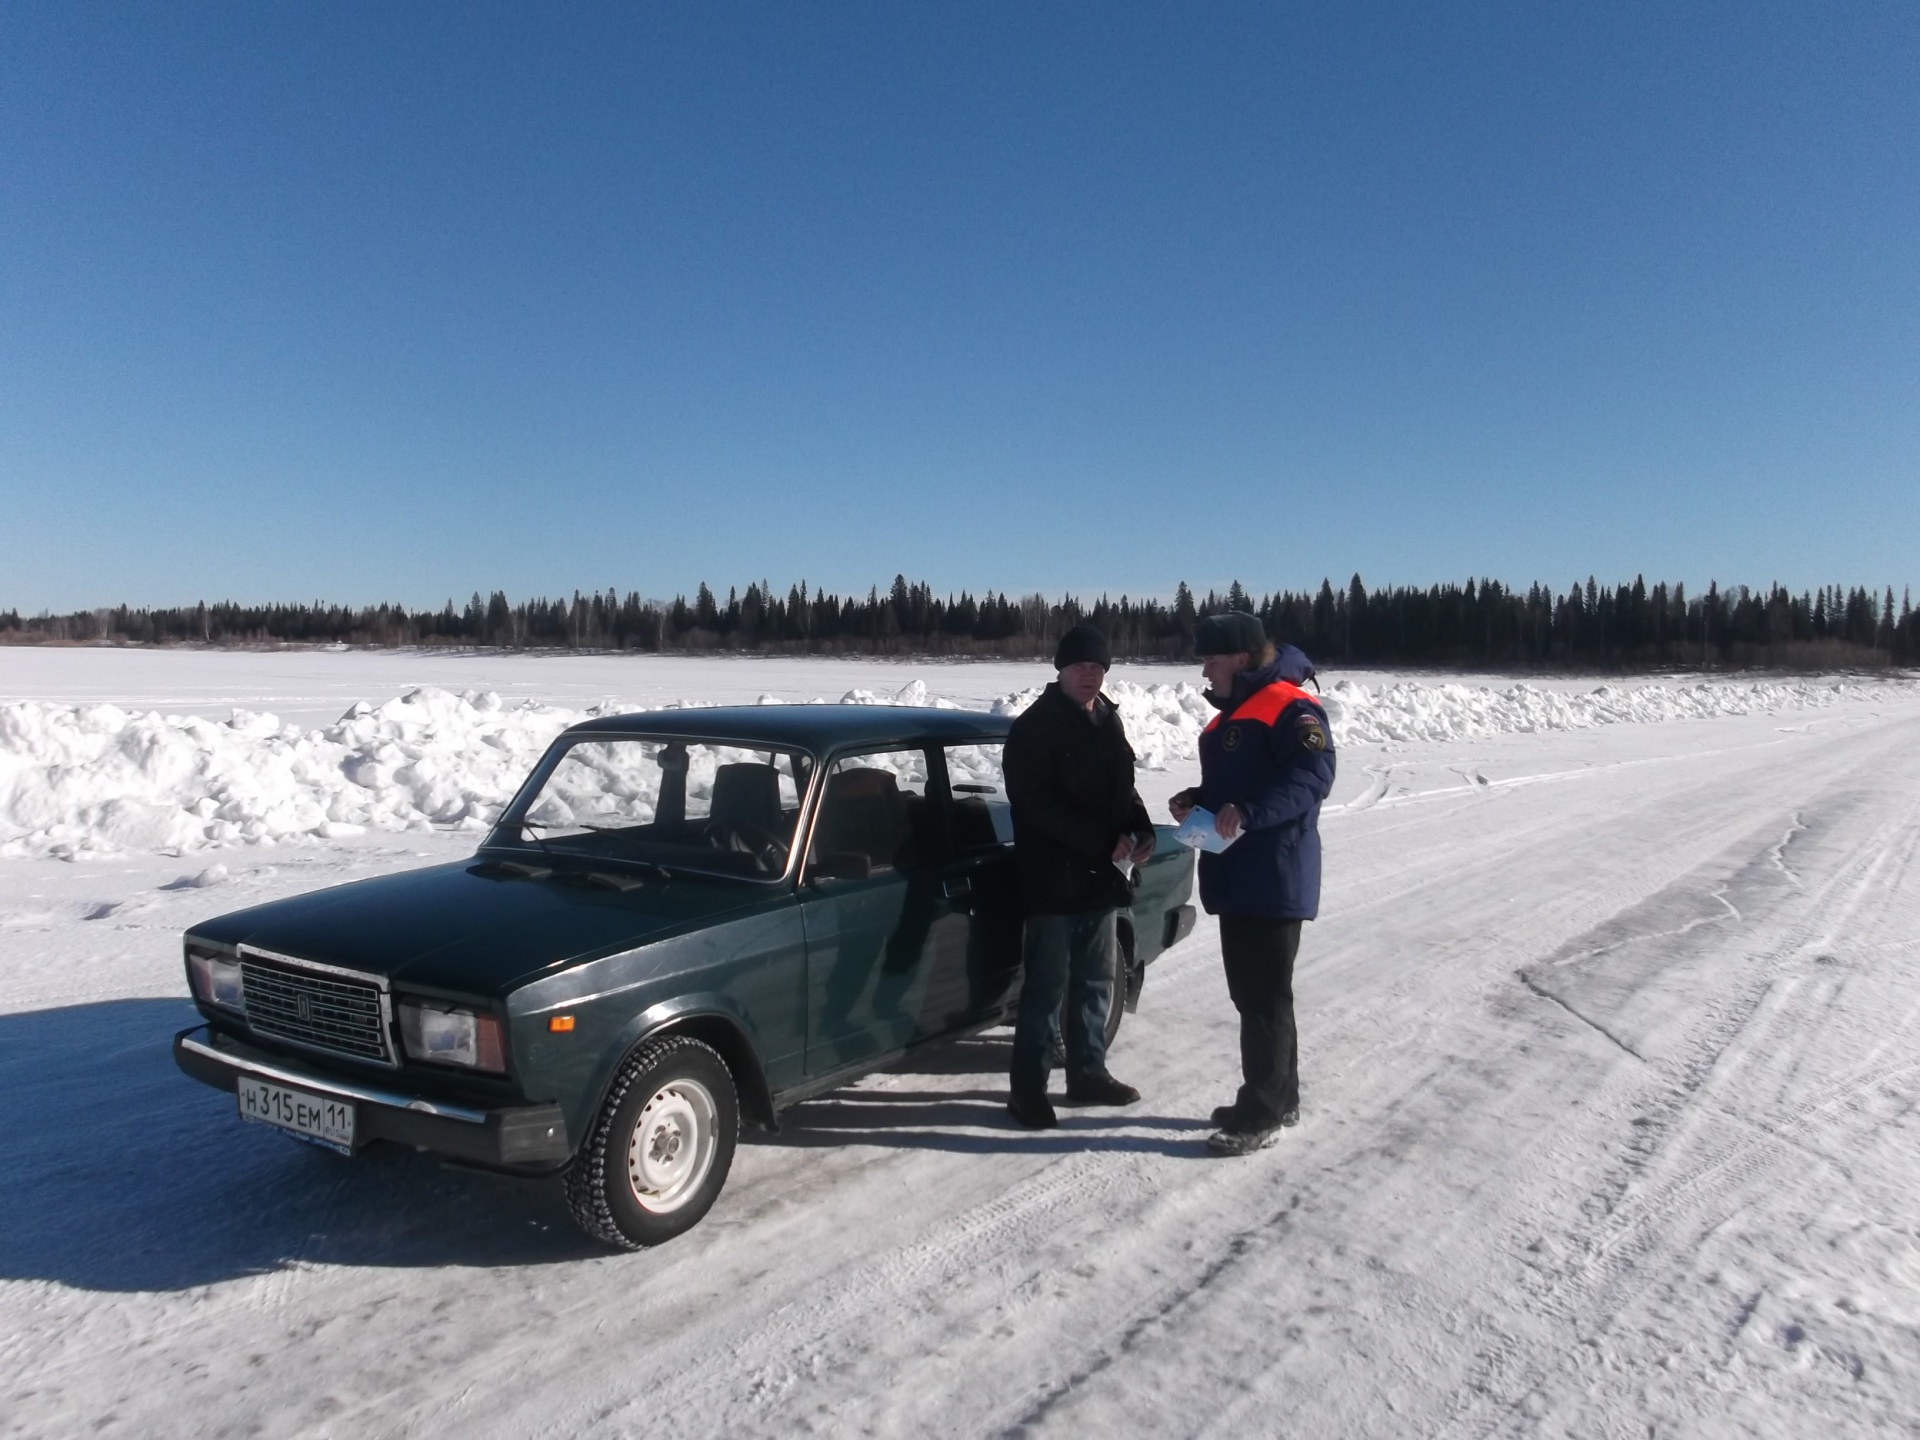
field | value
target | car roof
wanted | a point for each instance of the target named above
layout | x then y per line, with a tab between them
815	728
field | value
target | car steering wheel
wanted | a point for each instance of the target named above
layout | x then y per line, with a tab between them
746	838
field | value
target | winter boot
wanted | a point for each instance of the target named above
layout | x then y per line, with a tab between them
1100	1089
1033	1111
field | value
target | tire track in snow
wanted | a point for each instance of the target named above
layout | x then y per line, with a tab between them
1700	1158
1266	1234
755	1365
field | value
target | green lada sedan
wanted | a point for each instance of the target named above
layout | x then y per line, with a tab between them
684	922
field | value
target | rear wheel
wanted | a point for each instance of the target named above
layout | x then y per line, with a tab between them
661	1147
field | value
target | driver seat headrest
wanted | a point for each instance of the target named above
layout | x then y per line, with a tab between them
748	794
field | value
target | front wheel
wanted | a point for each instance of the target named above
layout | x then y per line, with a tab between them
661	1148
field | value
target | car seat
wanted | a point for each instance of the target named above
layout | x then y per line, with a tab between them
748	794
863	813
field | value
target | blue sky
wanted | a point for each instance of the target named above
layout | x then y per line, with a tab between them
377	301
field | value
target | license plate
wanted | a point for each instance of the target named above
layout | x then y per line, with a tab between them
313	1118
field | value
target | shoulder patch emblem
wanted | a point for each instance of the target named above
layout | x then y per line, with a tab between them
1312	735
1230	738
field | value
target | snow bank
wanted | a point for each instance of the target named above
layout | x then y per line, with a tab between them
96	778
1417	712
92	779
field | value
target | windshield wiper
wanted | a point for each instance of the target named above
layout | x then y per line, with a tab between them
610	880
529	828
569	874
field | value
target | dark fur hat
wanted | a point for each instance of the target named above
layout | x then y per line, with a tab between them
1229	634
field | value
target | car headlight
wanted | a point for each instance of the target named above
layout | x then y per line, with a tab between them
451	1035
216	981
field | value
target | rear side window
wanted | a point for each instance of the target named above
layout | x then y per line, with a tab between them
981	816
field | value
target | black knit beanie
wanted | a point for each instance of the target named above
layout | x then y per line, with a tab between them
1081	643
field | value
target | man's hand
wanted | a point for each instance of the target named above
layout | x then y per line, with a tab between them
1227	822
1181	804
1123	849
1143	848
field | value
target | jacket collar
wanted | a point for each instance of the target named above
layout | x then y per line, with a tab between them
1288	663
1248	683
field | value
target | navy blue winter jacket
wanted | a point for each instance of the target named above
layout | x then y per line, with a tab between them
1270	753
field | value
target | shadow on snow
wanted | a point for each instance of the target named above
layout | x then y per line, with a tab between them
123	1174
878	1114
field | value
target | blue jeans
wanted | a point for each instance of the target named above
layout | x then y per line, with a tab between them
1075	957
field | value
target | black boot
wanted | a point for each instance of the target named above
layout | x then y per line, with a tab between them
1226	1117
1100	1089
1241	1142
1033	1111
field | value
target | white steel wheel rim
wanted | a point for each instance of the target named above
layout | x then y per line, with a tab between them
672	1146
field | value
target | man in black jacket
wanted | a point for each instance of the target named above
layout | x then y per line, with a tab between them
1076	821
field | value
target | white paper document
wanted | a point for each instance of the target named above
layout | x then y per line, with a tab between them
1197	831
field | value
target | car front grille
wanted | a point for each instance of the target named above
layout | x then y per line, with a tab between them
322	1011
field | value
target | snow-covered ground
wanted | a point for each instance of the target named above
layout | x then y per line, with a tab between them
1610	1039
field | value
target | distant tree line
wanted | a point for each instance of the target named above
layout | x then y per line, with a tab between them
1482	623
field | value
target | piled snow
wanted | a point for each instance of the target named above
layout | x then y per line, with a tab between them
1415	712
96	778
1163	721
77	780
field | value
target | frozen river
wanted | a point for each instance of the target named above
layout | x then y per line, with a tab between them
1610	1042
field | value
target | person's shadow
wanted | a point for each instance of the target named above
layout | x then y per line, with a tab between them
909	1118
121	1173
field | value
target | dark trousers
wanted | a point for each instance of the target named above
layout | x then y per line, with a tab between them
1259	958
1071	956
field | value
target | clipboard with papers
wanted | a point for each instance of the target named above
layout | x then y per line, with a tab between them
1197	832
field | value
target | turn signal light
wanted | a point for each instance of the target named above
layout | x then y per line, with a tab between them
559	1024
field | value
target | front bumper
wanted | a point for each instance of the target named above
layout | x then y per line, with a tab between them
512	1137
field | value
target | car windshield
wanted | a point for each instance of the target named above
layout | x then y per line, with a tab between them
673	804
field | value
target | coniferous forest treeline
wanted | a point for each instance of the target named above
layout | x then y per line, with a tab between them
1479	624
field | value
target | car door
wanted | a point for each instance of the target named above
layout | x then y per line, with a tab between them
974	970
872	905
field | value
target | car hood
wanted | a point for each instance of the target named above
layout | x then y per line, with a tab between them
472	928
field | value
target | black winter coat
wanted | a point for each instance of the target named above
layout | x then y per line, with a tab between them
1070	782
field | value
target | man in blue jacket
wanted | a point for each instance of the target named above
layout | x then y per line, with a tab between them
1266	763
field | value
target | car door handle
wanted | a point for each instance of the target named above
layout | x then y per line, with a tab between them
958	889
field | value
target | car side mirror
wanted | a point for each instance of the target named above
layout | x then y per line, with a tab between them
839	865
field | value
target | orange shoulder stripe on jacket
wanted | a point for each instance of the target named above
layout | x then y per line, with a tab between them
1265	704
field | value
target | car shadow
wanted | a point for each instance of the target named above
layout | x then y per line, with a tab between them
124	1174
988	1053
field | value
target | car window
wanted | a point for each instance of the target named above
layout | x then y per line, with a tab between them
982	819
680	802
875	816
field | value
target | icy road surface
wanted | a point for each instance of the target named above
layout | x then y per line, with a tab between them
1610	1039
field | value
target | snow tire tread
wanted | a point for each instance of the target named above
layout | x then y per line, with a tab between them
586	1178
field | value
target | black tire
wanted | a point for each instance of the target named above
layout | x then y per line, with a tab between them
661	1148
